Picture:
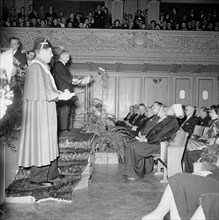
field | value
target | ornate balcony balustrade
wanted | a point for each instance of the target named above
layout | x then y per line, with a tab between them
125	46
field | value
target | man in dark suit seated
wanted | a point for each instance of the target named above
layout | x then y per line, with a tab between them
64	81
139	122
139	160
129	117
16	47
191	120
149	123
204	117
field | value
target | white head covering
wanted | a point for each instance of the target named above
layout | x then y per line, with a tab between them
178	110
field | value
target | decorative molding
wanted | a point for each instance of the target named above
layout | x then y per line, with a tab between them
125	46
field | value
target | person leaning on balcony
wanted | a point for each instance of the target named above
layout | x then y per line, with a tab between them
194	147
99	18
139	160
38	148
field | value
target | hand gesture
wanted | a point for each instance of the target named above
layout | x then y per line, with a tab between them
66	95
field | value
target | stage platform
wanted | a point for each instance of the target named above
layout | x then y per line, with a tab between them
75	148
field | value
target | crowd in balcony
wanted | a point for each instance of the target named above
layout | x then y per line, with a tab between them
101	17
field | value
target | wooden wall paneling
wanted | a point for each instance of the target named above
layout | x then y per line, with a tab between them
156	89
205	91
109	92
129	93
183	90
109	97
80	107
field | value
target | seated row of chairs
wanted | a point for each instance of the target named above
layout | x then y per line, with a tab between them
169	161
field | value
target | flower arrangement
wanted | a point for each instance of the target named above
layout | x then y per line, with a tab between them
12	91
109	138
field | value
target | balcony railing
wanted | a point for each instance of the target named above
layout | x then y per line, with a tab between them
125	46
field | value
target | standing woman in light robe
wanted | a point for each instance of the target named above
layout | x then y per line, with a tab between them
38	147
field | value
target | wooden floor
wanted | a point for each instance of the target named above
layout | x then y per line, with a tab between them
109	195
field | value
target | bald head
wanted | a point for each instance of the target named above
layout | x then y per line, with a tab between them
64	57
189	110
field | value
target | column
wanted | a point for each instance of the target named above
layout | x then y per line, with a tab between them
153	10
117	10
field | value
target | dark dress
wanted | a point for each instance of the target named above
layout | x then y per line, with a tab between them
187	189
139	160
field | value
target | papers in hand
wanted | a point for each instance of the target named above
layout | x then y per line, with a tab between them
66	95
83	81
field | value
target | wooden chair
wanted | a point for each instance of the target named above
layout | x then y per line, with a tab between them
161	161
206	129
170	158
198	131
175	153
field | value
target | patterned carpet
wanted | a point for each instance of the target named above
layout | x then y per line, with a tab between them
75	148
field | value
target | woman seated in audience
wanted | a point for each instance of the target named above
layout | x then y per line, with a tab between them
128	117
193	155
139	160
189	196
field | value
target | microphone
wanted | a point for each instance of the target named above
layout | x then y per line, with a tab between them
102	72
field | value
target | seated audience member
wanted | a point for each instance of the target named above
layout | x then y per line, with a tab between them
131	112
204	118
150	122
128	116
134	116
152	119
191	120
139	160
194	147
140	120
189	196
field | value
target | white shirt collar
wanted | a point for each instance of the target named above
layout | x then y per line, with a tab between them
62	62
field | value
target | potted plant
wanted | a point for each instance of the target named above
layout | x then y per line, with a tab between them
109	137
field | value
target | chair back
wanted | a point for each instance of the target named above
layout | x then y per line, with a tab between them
180	139
198	130
206	129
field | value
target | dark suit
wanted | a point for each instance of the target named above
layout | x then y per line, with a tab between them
63	81
21	57
205	121
139	120
139	160
189	125
149	124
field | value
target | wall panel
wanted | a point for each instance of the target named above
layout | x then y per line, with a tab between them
129	93
182	90
156	89
205	88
